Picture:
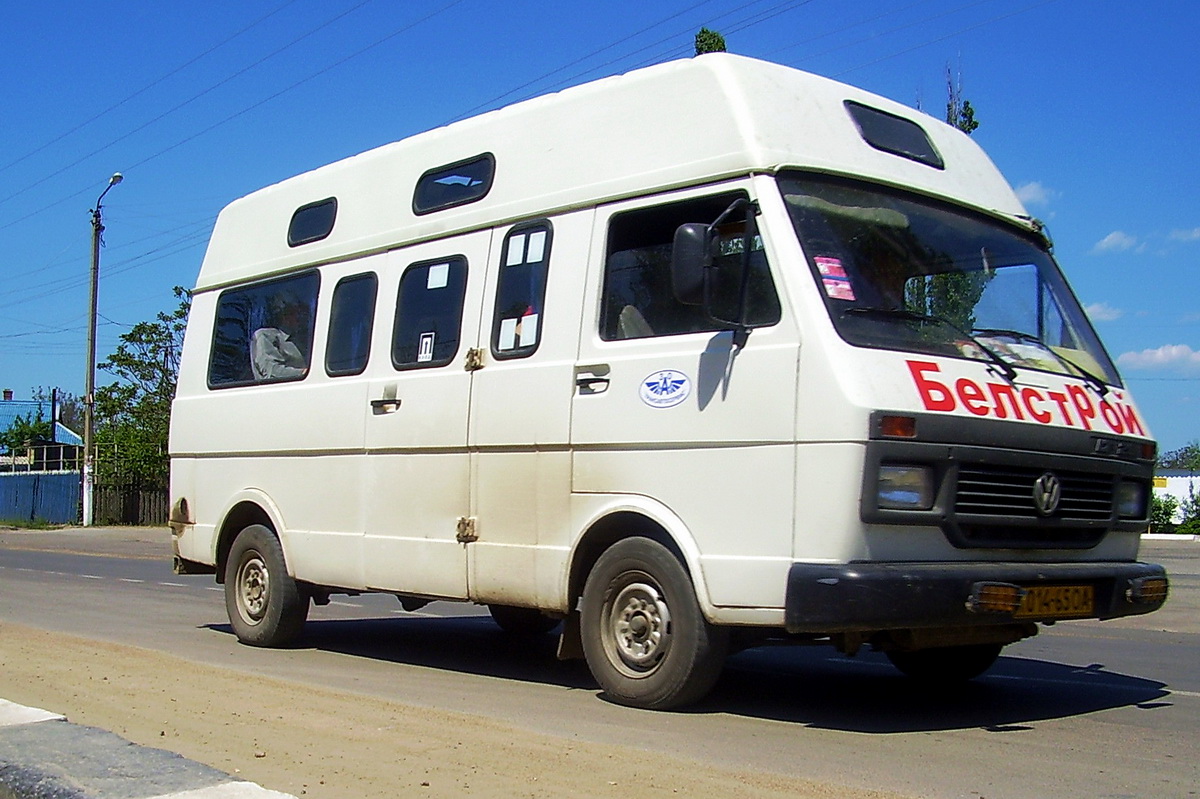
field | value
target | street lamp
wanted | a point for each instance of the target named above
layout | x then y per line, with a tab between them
89	397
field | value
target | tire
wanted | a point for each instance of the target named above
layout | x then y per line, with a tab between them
525	622
948	664
644	637
266	607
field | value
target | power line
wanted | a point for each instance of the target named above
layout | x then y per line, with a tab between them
185	103
677	51
229	118
146	88
295	85
943	38
674	36
490	103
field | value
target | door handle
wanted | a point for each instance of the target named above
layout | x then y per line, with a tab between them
592	379
591	385
385	405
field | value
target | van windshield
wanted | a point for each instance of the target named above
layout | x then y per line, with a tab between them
903	272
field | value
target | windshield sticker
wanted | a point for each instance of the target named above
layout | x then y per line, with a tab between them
834	277
665	389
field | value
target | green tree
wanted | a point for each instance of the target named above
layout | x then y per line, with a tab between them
133	414
69	406
1162	512
709	42
959	112
1190	510
23	429
1186	457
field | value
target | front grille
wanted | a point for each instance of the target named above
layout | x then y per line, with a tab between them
1008	491
994	507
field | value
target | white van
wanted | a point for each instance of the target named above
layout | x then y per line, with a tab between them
709	353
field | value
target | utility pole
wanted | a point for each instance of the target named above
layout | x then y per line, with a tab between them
89	397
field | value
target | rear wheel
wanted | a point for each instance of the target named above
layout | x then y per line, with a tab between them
266	607
946	664
645	639
522	621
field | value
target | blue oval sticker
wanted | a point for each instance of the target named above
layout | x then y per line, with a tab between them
665	388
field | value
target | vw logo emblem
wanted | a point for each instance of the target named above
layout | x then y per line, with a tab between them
1047	491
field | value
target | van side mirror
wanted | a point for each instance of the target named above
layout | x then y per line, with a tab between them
690	257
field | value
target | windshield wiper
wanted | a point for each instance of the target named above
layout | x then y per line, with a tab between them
1088	377
1006	369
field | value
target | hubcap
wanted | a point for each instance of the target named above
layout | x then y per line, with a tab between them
639	628
254	587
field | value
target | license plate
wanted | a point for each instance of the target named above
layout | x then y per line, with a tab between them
1057	602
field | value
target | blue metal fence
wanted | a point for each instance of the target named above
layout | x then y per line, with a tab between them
51	497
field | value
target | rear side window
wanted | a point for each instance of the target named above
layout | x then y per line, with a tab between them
312	222
429	310
351	317
521	291
454	184
264	332
893	134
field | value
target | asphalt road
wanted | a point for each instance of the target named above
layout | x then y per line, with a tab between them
1086	709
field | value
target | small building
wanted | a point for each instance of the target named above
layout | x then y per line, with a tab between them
63	445
39	481
1178	483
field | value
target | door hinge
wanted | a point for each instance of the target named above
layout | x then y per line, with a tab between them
474	359
466	530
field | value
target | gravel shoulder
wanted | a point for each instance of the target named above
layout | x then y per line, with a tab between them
320	742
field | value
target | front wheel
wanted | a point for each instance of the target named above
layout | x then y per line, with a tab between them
645	639
265	605
947	664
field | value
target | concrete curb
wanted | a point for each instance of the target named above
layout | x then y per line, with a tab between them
43	756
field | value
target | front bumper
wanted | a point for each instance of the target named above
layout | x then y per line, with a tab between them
870	597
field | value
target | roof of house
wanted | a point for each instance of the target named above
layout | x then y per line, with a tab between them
11	410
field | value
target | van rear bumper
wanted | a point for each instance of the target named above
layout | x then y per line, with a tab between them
867	597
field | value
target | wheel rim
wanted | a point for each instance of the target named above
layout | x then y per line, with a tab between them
637	628
253	587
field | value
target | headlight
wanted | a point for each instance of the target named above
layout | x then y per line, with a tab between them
1130	500
905	487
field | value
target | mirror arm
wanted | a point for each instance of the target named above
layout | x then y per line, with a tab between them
741	331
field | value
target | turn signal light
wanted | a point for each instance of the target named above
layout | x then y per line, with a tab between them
1147	590
898	427
995	598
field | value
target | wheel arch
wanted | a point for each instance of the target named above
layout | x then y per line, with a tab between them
628	521
246	510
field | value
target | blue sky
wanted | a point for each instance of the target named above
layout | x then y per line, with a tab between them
1087	106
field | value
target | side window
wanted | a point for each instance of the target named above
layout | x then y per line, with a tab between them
521	291
264	332
639	301
312	222
429	310
350	320
454	184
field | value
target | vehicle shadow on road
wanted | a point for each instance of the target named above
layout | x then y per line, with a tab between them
819	688
467	644
813	687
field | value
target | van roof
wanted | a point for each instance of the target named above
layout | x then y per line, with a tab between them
667	126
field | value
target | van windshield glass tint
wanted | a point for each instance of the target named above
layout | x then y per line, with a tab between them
901	272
